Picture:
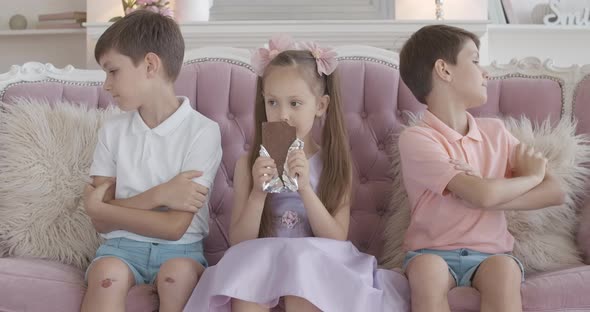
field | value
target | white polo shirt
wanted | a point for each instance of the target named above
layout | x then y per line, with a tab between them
141	158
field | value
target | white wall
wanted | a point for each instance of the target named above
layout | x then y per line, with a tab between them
565	45
58	49
100	11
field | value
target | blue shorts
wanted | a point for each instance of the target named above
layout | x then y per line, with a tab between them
144	259
463	263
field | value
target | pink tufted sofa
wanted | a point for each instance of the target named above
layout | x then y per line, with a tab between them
220	83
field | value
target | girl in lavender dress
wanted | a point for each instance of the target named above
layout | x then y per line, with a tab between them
290	250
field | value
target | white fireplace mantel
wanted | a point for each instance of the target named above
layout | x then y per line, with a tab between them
387	34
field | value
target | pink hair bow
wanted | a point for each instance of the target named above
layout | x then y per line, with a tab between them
324	57
263	56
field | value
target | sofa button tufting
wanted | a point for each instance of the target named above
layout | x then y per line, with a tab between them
364	115
364	180
246	147
381	146
230	116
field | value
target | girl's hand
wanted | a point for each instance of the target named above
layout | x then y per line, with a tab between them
263	171
299	166
465	167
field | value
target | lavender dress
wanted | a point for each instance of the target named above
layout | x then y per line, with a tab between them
331	274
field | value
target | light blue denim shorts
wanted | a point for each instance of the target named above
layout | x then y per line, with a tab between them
144	259
463	263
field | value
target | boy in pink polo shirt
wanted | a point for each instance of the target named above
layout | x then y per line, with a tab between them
458	234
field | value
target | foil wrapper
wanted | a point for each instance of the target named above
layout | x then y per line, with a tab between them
284	183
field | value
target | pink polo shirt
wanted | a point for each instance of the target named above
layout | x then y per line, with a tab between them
439	219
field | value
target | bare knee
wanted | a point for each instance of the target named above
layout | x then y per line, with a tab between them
174	270
428	268
498	280
110	272
293	303
497	269
241	306
429	272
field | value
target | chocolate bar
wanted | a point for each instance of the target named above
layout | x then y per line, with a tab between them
277	137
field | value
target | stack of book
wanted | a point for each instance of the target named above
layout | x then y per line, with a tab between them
62	20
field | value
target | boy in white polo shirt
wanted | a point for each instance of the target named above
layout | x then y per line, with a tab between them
152	170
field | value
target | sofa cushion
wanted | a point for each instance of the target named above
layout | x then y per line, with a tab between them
53	285
584	232
46	154
369	90
545	238
561	290
42	285
223	91
537	98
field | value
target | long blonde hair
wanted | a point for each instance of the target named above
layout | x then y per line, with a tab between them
336	178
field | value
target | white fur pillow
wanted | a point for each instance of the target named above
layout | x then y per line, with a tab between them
45	156
545	238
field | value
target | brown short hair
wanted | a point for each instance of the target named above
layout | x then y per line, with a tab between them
142	32
424	48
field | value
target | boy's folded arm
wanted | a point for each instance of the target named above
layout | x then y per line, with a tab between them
548	193
168	225
102	227
426	161
488	193
147	200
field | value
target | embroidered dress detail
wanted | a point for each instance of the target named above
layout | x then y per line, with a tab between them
290	219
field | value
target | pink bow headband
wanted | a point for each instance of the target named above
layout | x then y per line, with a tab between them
325	57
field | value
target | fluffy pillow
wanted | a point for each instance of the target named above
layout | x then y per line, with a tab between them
544	238
45	156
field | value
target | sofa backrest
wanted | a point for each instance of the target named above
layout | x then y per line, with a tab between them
581	103
221	85
374	102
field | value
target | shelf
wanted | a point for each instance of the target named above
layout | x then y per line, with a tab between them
42	32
